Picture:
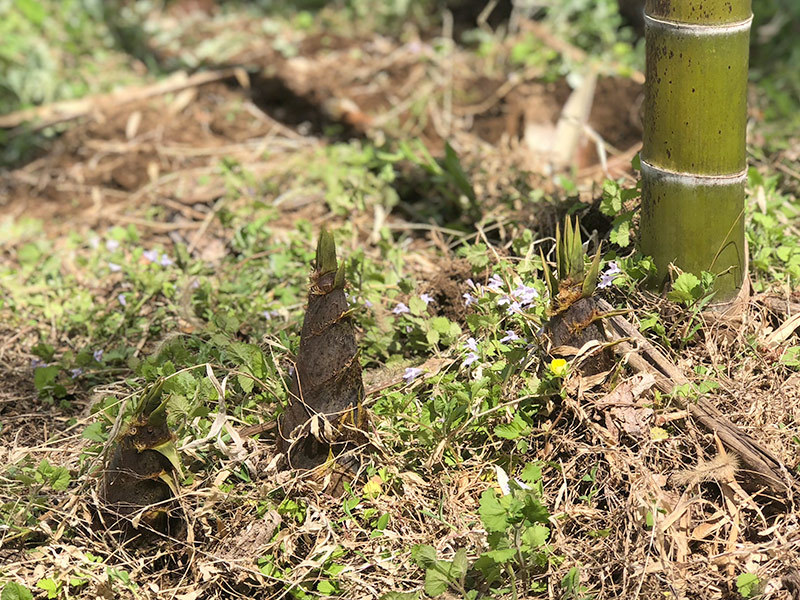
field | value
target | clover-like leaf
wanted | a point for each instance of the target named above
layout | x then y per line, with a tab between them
493	514
536	535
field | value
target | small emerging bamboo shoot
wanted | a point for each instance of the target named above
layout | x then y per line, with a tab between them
139	480
326	390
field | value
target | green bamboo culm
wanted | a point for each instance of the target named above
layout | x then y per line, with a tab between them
693	156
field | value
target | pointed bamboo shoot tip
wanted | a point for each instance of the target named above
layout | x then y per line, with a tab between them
152	398
326	253
338	282
158	416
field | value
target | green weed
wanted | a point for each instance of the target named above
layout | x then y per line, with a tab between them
774	248
516	536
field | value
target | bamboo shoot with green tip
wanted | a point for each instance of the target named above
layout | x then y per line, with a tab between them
139	483
325	394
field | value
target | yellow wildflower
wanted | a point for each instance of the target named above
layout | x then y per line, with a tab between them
559	367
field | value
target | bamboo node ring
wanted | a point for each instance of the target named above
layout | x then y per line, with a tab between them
700	30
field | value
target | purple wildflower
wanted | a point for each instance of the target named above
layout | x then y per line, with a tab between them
400	309
122	300
98	355
426	298
165	261
114	267
37	363
514	307
367	303
605	281
411	374
607	277
75	372
112	245
495	283
471	358
525	295
195	284
509	337
151	255
472	344
469	299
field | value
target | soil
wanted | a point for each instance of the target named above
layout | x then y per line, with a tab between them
448	286
614	115
329	91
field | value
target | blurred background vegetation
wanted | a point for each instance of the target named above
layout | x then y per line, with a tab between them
64	49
